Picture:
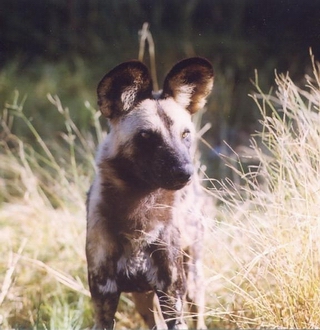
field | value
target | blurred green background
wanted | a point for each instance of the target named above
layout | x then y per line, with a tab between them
64	47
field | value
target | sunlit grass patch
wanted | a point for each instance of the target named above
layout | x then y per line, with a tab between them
42	216
266	248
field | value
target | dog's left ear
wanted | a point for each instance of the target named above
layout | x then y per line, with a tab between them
122	88
189	83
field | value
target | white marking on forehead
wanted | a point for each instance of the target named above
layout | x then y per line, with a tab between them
178	114
146	116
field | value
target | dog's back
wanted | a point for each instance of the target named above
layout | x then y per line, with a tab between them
144	173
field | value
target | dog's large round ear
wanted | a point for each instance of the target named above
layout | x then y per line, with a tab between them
189	83
123	87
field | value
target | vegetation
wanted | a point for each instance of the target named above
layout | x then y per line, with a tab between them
265	253
262	250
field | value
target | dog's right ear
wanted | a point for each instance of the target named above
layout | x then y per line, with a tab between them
123	87
189	83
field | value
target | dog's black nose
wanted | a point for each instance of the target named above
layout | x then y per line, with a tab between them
182	174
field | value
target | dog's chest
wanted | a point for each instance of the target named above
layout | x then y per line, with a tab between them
136	270
136	267
134	263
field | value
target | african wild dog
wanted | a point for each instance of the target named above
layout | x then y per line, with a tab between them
135	229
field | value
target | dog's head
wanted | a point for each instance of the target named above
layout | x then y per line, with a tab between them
151	138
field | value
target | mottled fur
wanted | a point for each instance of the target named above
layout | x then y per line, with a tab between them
138	225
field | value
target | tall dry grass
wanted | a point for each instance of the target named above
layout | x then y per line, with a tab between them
265	248
42	217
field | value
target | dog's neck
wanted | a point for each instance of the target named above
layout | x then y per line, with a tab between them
134	208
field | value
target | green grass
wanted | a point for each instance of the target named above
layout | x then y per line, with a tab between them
73	81
262	246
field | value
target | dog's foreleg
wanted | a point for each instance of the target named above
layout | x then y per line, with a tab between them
172	296
172	309
105	297
105	307
145	306
195	286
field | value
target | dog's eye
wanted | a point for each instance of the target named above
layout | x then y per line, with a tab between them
150	138
185	134
145	135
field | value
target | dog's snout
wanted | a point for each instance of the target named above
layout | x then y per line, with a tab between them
183	173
